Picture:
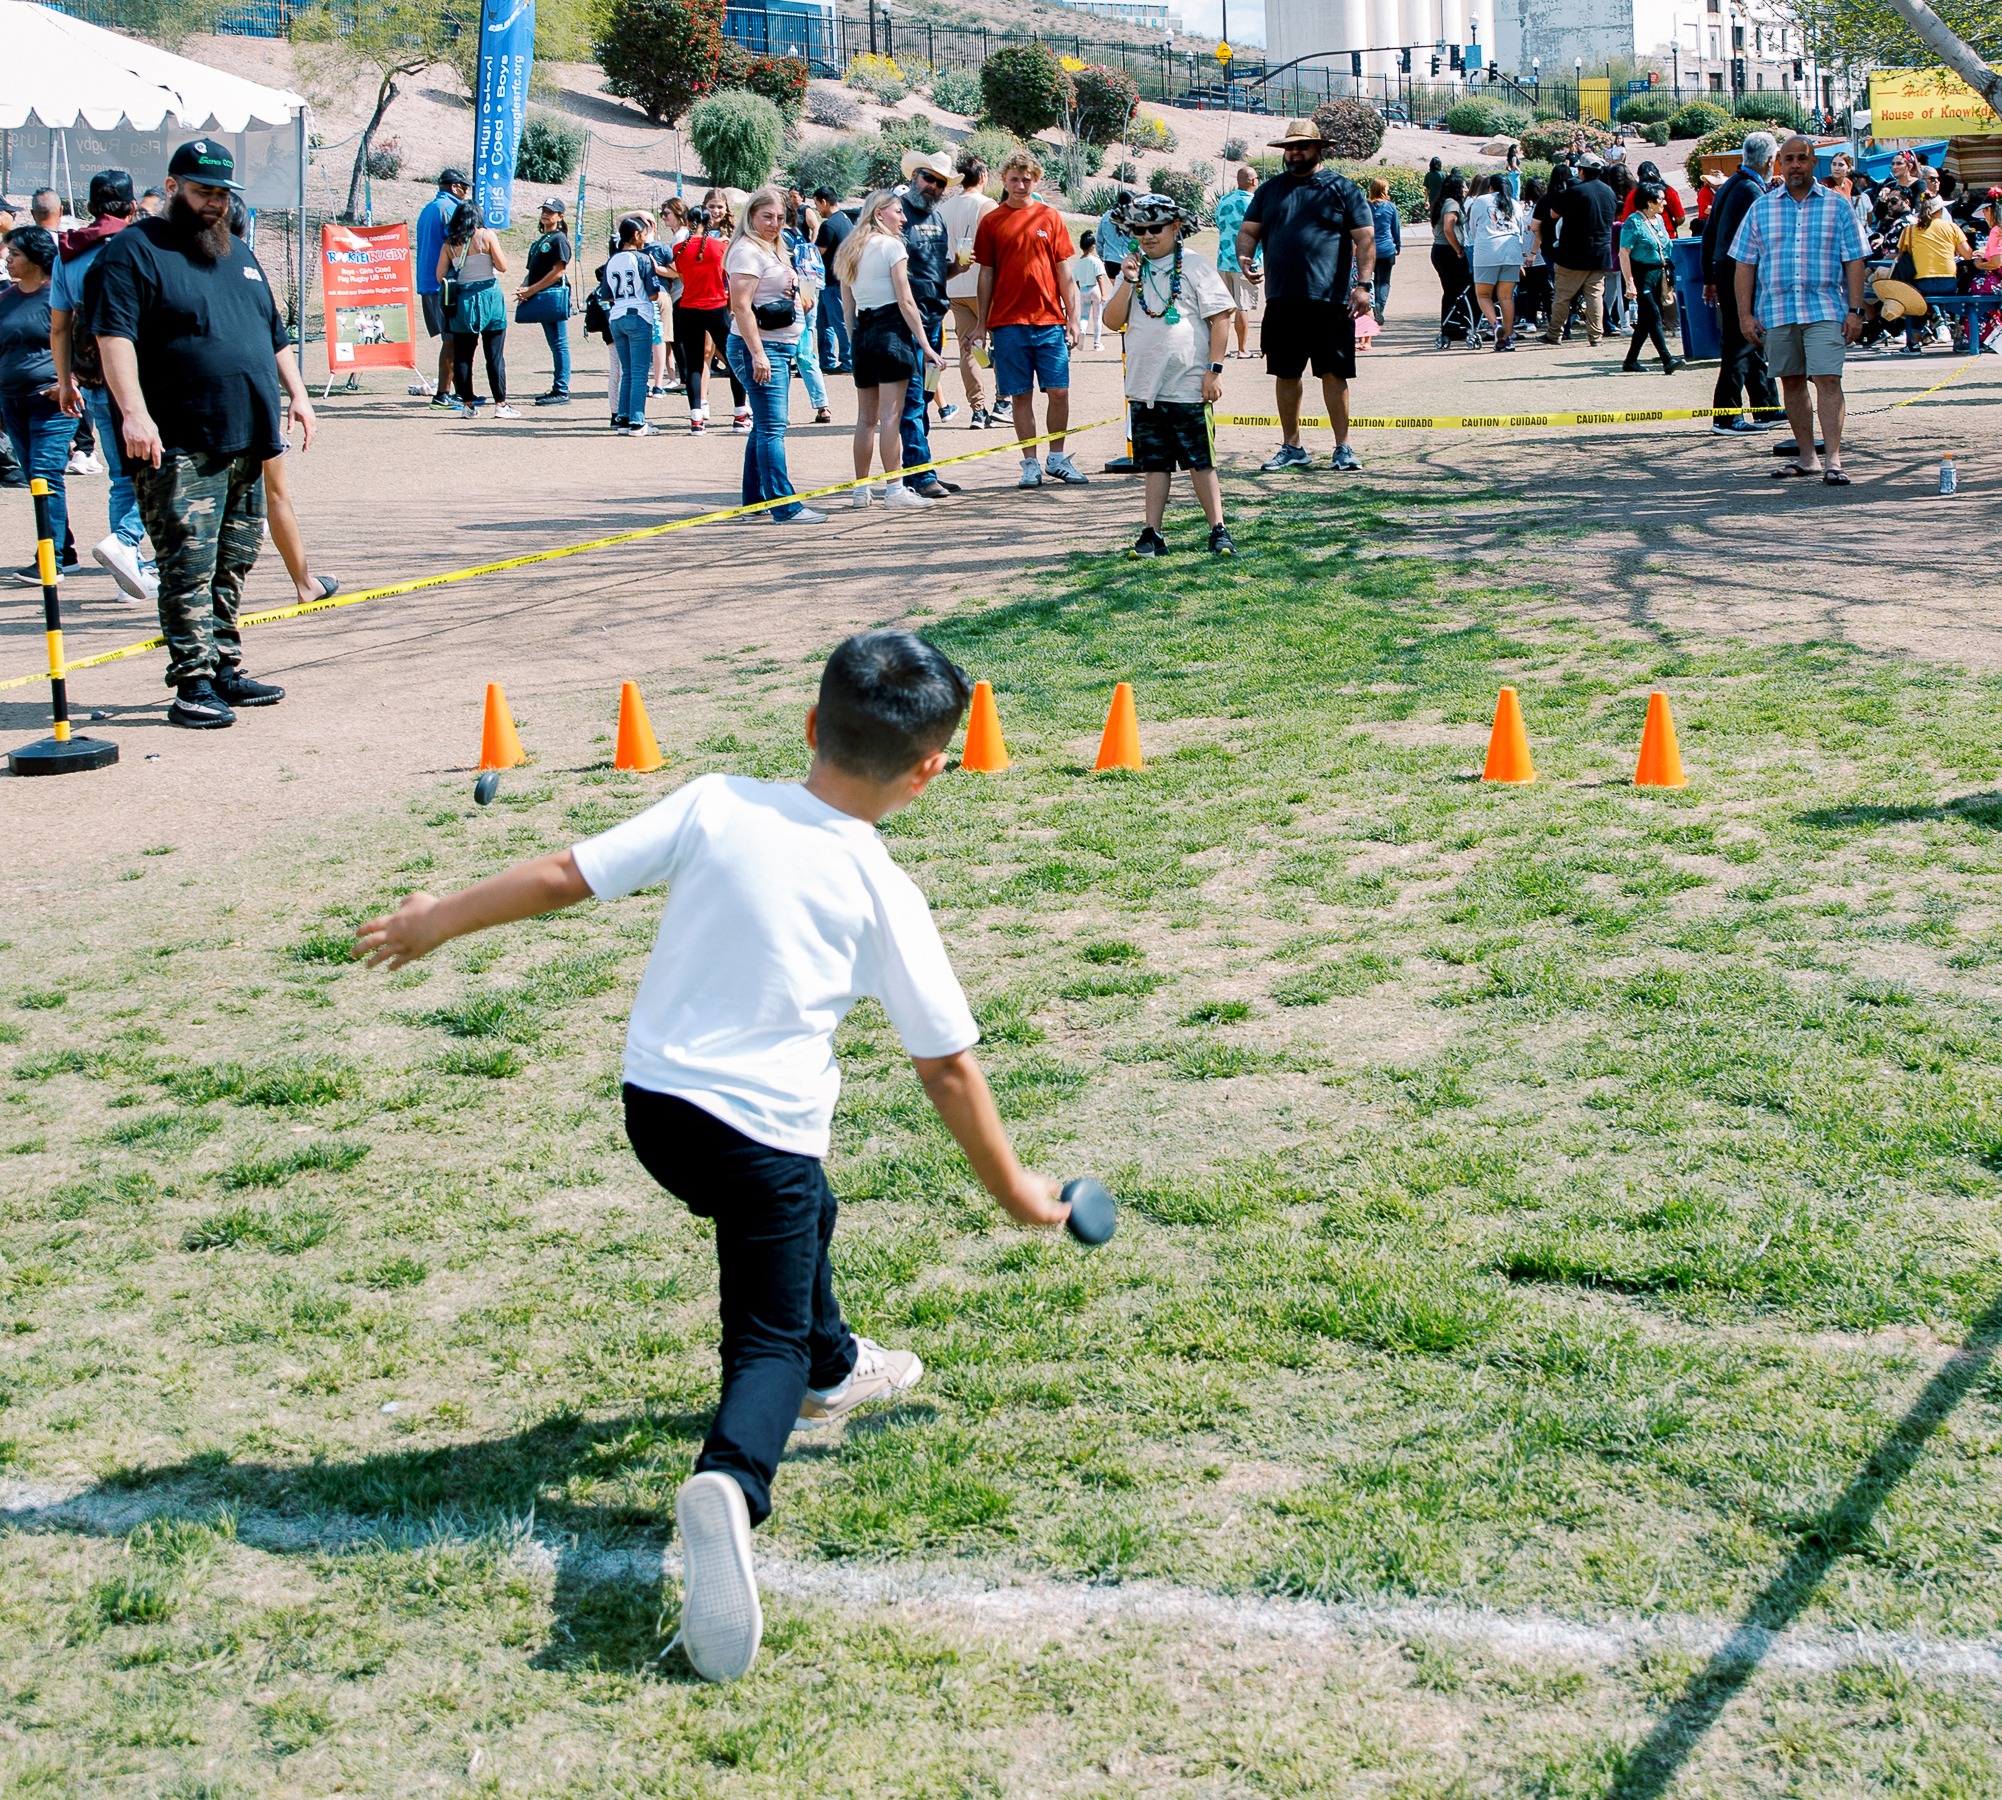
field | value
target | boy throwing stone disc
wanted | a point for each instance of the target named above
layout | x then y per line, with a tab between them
783	910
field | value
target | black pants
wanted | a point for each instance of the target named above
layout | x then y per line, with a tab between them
1456	278
782	1327
1647	327
695	328
1741	368
495	345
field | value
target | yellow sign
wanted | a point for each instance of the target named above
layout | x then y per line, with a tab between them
1223	53
1595	99
1928	103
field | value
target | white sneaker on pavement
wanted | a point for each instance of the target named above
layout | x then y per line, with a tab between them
1063	469
123	562
81	462
805	516
904	499
1032	473
721	1620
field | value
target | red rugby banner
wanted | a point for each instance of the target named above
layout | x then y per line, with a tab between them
371	299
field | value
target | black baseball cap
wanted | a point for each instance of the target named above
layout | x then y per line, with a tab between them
208	162
452	178
108	187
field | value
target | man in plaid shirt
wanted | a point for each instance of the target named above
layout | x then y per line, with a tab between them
1801	247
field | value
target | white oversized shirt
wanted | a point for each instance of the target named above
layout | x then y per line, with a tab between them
1164	361
781	913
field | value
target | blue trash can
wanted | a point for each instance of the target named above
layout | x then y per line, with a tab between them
1702	336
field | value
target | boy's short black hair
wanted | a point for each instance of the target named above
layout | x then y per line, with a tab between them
888	699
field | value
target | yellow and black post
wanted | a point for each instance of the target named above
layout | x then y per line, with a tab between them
58	753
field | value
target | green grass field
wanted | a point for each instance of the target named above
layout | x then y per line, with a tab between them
1539	1202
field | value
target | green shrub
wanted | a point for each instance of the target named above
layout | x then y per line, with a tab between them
957	90
829	106
1772	109
1149	133
1728	136
1097	202
831	163
737	135
1181	186
1105	102
662	53
879	161
1656	133
1696	119
878	77
385	159
918	132
549	151
1351	128
992	147
1025	88
1647	109
1486	118
780	79
1234	149
1126	173
1546	140
1407	187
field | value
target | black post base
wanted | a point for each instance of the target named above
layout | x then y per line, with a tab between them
1122	465
47	756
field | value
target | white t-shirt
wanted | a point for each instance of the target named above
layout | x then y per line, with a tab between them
630	279
1087	271
1164	361
776	282
961	216
781	913
1491	240
873	285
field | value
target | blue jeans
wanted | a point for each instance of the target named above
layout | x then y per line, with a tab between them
557	331
41	432
1512	183
1385	267
765	475
1929	285
632	332
917	447
125	525
832	326
806	361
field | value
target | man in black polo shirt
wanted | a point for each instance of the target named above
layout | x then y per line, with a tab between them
1320	272
929	267
1584	251
194	353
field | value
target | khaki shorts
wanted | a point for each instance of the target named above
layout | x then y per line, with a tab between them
1809	350
1243	291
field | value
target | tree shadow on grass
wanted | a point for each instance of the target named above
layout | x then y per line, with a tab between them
1984	810
1832	1534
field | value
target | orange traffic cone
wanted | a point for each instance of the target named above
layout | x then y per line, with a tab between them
499	747
1508	743
985	753
636	748
1119	748
1661	762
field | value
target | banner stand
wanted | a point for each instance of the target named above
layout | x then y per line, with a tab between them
369	299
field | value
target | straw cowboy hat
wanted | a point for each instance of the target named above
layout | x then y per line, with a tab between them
1900	301
939	162
1298	131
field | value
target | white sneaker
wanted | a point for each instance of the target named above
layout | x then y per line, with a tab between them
1063	469
643	430
721	1620
81	462
742	422
863	495
805	516
878	1374
504	411
1032	473
123	562
905	499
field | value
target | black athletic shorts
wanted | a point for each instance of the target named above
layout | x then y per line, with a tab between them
1296	332
1173	434
882	351
434	314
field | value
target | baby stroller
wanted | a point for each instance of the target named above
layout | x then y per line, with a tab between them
1461	321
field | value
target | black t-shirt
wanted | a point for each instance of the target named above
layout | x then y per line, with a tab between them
834	230
206	336
27	364
930	255
551	248
1585	212
1304	224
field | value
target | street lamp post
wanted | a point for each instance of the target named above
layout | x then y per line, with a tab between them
1578	89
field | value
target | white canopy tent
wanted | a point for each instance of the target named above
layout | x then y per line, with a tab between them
75	98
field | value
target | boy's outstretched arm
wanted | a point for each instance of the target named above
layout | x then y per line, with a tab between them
955	1085
423	922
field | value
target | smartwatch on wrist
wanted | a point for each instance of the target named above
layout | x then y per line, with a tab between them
1216	368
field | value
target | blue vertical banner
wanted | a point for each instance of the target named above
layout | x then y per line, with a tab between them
507	55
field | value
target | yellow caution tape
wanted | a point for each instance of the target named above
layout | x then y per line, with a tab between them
1495	421
542	556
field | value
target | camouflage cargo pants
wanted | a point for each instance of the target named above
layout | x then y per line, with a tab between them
205	515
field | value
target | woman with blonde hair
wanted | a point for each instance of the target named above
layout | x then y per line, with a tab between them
768	304
887	341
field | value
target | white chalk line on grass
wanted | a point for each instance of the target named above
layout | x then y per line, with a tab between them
1004	1603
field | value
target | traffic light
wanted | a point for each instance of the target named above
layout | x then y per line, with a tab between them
1404	60
1355	64
1494	68
1435	66
1799	69
1737	74
1455	59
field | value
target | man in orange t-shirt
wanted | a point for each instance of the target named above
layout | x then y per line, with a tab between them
1028	310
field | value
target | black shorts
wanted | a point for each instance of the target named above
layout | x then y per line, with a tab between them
1173	434
434	314
1296	332
882	350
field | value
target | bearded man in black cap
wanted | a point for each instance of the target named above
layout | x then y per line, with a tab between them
194	353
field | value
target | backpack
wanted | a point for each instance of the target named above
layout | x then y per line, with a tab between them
597	316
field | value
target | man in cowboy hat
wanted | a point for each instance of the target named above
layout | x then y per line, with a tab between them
1319	239
930	266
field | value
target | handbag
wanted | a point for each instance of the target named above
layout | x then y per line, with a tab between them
597	315
549	307
774	315
448	295
1665	301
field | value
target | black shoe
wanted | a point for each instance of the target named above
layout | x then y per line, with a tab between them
1150	543
238	689
1221	543
934	489
198	707
30	574
620	422
1670	367
555	397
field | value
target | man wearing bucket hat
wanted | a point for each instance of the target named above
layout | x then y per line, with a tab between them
194	353
1319	240
930	266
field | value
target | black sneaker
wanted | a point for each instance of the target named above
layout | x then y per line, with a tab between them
555	397
1221	543
238	689
198	707
1150	543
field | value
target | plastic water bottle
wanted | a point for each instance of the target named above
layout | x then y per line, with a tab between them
1949	476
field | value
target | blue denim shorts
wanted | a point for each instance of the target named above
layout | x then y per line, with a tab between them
1030	356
